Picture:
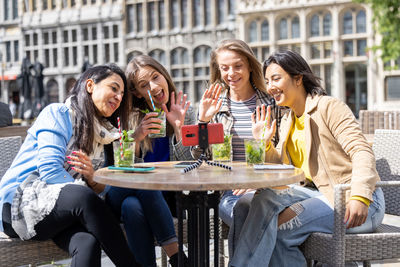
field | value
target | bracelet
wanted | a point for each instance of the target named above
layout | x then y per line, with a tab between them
204	121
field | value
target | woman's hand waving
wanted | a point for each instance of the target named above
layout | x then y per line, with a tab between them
209	103
177	112
262	127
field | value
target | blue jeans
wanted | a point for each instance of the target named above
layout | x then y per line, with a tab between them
228	202
257	241
146	216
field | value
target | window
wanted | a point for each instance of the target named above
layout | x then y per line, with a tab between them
16	51
151	16
207	12
139	17
105	32
361	22
174	13
315	25
295	27
392	87
327	24
14	9
184	18
253	32
8	51
348	48
158	55
161	15
221	11
347	23
320	24
133	54
361	47
265	31
283	30
180	68
130	20
197	12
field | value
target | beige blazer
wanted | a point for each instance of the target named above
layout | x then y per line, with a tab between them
337	150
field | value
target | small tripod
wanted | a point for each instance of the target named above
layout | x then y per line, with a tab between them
203	144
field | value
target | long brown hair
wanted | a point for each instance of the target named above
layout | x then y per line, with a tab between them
240	47
138	103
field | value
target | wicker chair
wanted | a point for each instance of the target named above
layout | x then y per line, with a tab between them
13	251
337	248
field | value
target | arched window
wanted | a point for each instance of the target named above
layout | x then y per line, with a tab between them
265	31
361	22
295	27
201	58
132	55
283	30
52	90
180	68
327	24
253	32
315	25
158	55
347	23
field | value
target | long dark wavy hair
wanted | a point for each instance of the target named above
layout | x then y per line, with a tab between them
294	64
85	110
139	103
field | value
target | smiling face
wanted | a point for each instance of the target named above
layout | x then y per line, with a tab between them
282	86
106	94
149	79
234	69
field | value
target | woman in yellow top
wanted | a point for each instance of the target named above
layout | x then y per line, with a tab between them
321	136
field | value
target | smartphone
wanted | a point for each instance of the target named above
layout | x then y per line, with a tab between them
184	164
190	134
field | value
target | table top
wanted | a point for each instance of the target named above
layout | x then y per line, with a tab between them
167	177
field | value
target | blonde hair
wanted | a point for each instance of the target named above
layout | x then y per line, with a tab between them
138	104
240	47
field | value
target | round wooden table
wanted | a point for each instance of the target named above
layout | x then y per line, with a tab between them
199	201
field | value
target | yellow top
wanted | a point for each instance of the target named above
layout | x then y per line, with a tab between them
296	147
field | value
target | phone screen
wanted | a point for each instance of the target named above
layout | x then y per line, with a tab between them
184	164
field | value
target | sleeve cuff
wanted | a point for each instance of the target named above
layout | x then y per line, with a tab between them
364	200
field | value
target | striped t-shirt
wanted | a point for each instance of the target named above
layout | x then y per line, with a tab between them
241	129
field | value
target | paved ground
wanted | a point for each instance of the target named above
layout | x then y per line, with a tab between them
107	263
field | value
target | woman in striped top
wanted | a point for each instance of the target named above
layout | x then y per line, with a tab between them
237	87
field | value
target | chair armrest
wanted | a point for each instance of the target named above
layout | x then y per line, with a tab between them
340	205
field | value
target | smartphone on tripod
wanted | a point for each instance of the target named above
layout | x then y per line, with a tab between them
191	133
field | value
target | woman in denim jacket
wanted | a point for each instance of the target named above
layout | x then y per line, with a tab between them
48	191
321	136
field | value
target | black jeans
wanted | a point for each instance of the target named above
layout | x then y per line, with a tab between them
81	223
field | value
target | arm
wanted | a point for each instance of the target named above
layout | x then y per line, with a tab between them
347	132
53	130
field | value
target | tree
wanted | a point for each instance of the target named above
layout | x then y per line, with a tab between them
386	18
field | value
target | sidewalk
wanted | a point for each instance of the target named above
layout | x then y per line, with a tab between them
106	262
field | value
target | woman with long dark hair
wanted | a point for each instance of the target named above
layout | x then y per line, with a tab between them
321	136
49	191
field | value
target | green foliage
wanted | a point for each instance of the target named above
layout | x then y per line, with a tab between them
127	136
254	152
222	152
145	111
386	18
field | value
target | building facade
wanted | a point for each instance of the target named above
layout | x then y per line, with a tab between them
333	36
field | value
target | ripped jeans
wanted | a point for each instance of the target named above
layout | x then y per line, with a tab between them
254	237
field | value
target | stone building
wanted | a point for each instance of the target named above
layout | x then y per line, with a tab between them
333	35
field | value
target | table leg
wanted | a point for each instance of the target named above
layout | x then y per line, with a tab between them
198	205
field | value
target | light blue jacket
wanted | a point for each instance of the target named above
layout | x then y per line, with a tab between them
43	151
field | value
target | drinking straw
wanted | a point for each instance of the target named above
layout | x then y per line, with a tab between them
263	133
151	99
120	138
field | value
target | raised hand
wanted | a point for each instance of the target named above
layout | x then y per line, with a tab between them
209	103
261	125
177	112
149	124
